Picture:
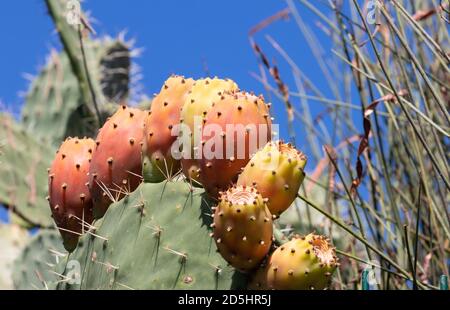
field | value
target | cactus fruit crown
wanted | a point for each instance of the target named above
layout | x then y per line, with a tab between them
69	197
302	263
242	227
277	172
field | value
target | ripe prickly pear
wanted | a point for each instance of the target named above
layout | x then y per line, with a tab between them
69	197
242	227
233	131
203	95
164	115
277	172
116	164
301	264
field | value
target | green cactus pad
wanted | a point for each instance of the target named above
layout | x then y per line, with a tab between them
23	167
54	108
34	268
156	238
12	239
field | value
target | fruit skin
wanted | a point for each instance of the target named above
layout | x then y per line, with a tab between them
241	110
69	197
303	263
162	118
116	166
277	171
242	227
203	95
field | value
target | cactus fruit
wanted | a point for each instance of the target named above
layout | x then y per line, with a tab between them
69	197
164	115
237	125
202	97
116	163
242	227
158	237
301	264
277	172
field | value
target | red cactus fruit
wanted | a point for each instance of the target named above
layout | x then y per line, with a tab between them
277	172
203	95
116	164
237	125
160	123
242	227
69	197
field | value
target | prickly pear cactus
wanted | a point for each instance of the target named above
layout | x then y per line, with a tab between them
12	239
23	169
34	268
158	237
54	100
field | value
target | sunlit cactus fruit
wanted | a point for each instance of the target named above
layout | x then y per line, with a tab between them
234	129
69	197
202	97
116	168
160	129
304	263
277	171
242	227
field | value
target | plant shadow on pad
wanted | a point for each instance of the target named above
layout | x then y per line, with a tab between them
158	237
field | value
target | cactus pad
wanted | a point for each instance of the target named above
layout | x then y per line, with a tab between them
158	237
23	167
34	268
